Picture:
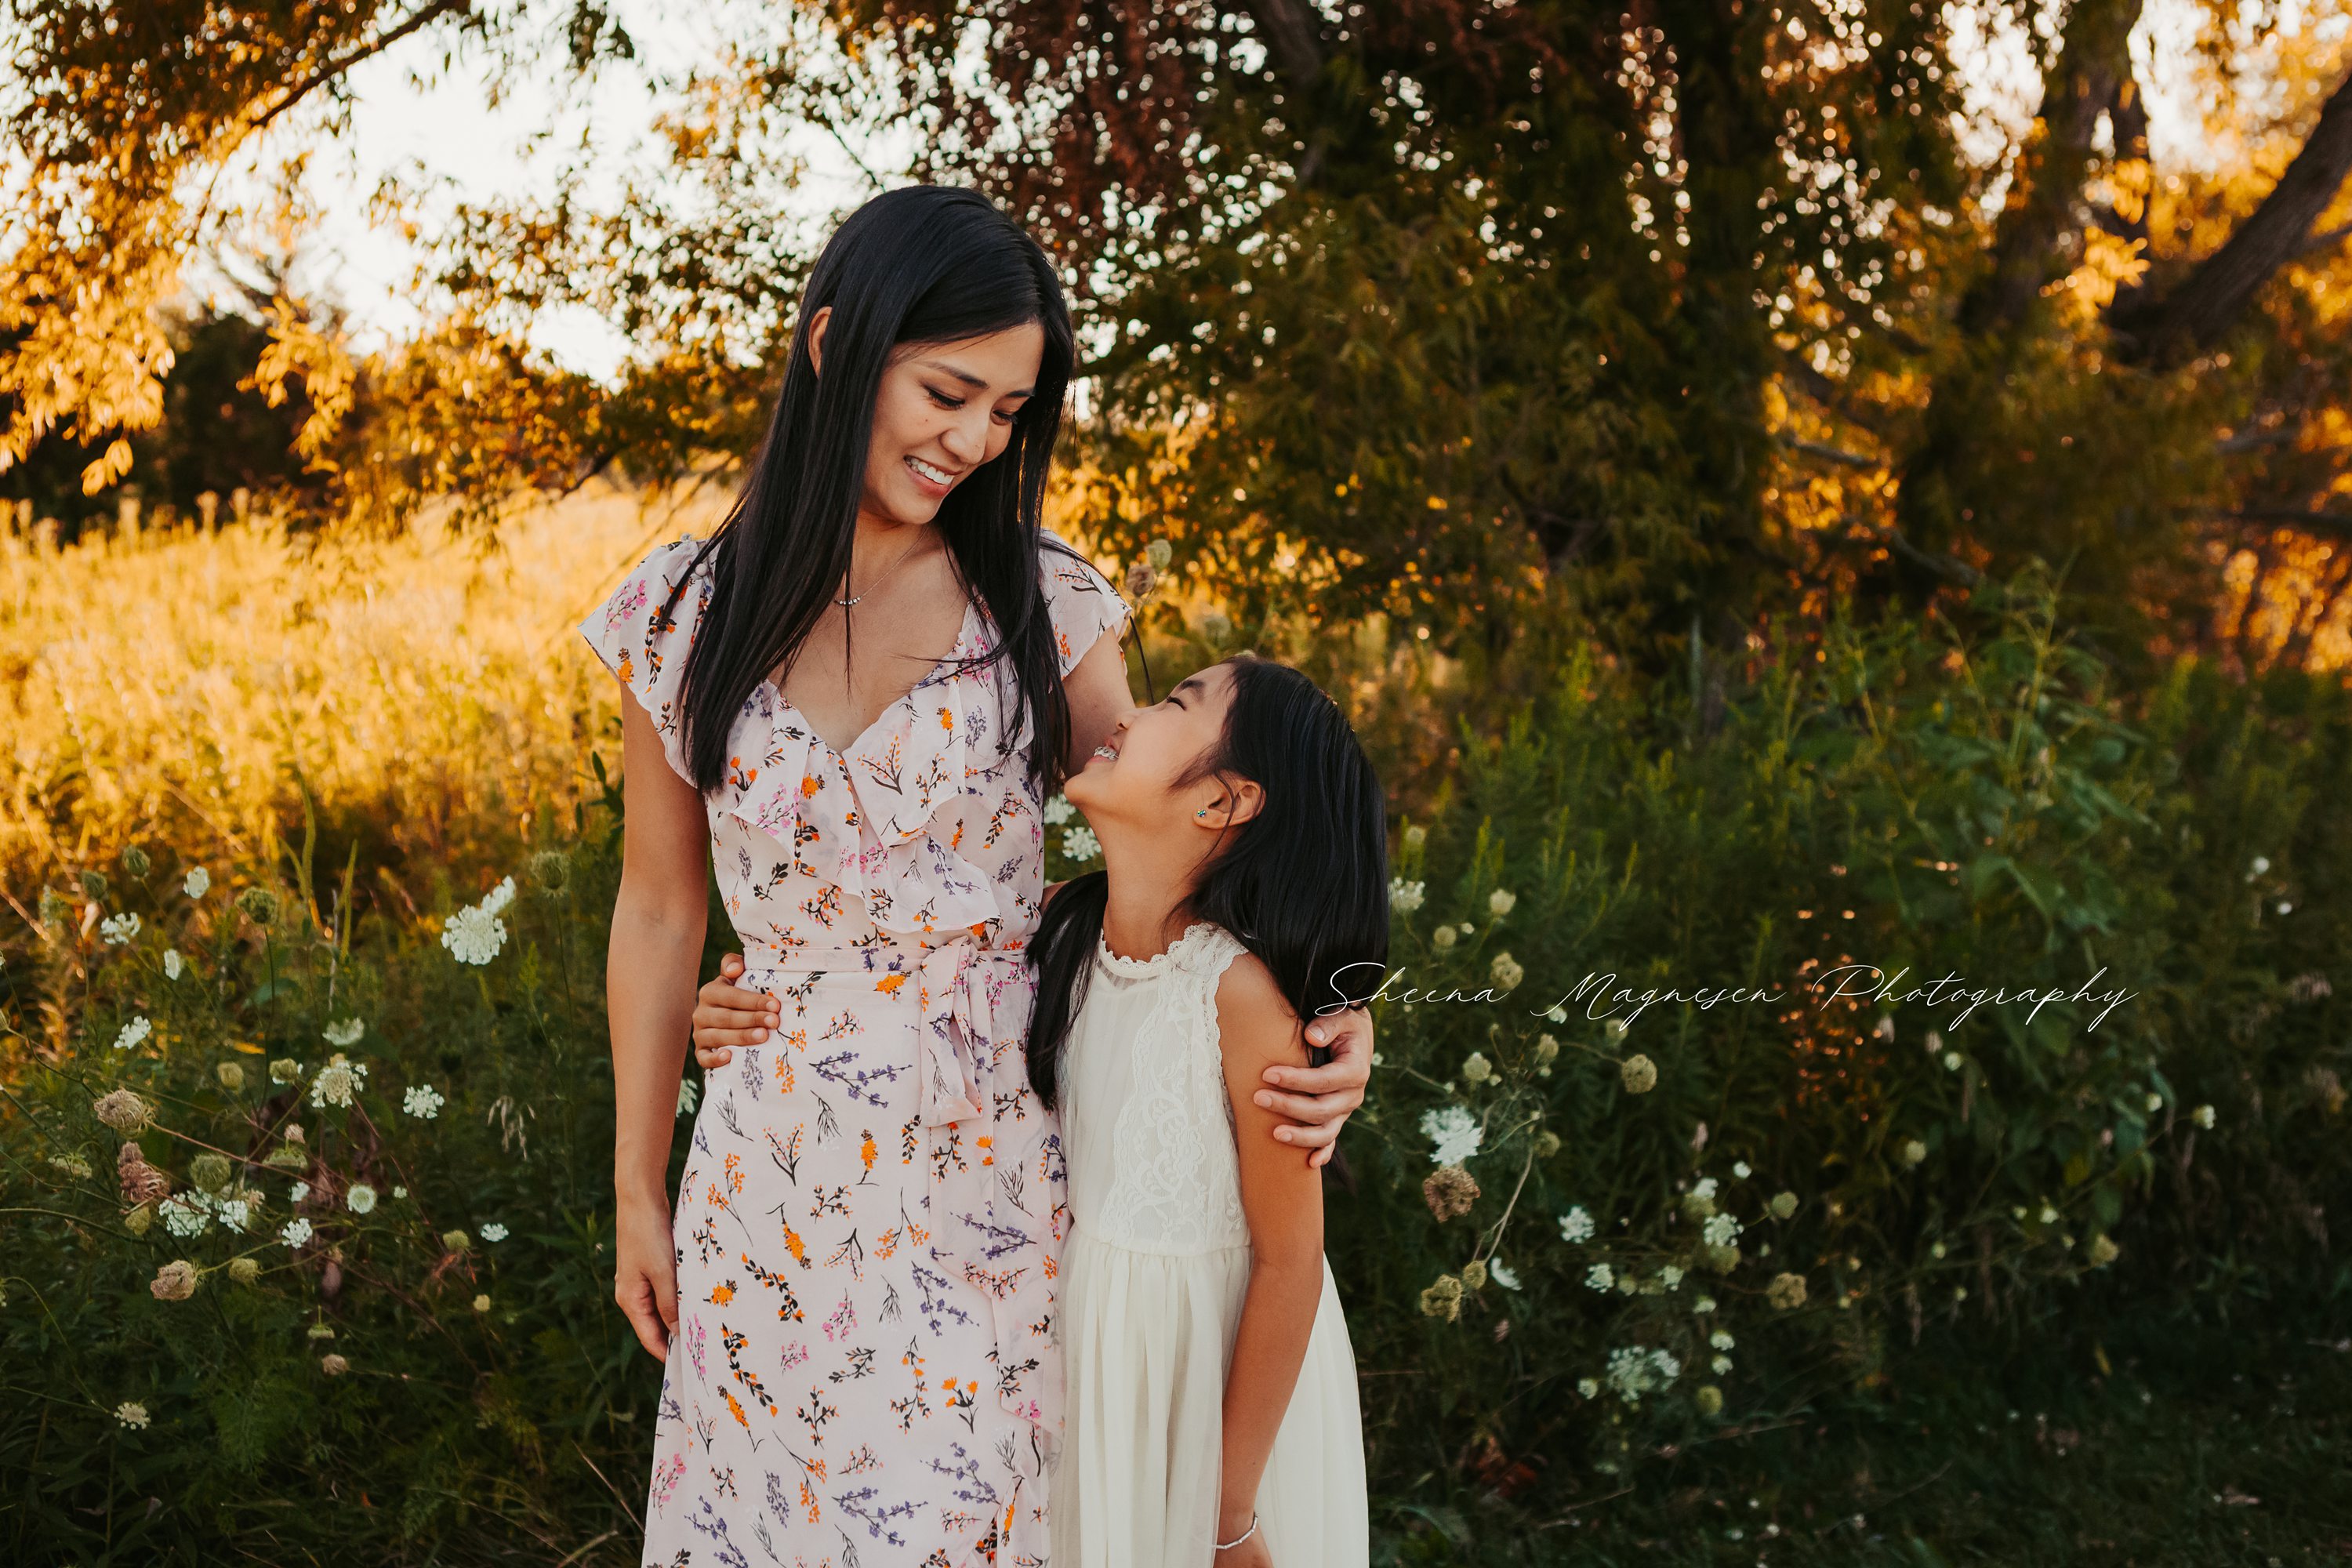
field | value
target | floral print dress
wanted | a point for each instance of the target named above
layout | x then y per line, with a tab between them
867	1367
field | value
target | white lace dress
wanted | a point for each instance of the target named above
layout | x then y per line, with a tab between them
1153	1277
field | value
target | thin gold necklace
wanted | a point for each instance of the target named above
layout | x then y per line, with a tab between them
845	604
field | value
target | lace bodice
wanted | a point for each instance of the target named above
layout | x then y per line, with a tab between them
1145	1114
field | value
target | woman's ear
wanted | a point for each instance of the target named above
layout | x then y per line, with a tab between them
816	337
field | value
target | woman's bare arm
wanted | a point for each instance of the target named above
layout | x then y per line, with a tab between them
1282	1198
657	945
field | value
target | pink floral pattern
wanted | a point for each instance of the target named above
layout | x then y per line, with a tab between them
868	1226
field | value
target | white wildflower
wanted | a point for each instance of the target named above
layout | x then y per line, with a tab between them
1671	1276
337	1081
474	936
1454	1131
1499	902
1952	1061
133	1033
173	963
295	1232
299	1191
1666	1367
1557	1015
1575	1225
1721	1364
234	1214
131	1414
423	1102
2048	1216
1405	897
2203	1116
1704	1187
1057	811
496	901
199	882
1739	1169
494	1232
1503	1275
2155	1103
360	1198
1630	1374
1721	1230
1506	971
1721	1339
344	1032
1587	1387
400	1192
2262	864
1080	844
1476	1068
119	929
1444	937
2285	908
1601	1276
187	1215
1703	1305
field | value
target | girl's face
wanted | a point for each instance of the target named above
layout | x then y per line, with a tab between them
943	410
1133	777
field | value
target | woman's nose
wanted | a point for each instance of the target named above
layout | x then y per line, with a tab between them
967	439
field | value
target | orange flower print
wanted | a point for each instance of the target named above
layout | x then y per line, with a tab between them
808	786
889	983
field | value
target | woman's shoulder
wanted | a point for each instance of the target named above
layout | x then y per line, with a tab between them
642	630
1080	600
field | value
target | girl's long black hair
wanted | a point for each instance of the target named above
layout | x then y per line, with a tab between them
1303	884
926	264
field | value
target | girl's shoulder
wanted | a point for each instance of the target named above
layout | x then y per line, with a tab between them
1254	1021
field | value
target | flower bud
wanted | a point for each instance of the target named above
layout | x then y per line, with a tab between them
1443	937
1708	1401
231	1076
140	1219
120	1109
243	1270
333	1366
259	904
1159	553
1547	1144
1639	1074
285	1069
455	1241
1449	1191
135	861
94	884
175	1281
1787	1291
1415	836
1476	1068
1782	1205
209	1171
1474	1275
1499	902
1914	1150
481	1303
1444	1299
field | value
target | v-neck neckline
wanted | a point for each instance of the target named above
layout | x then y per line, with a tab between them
964	631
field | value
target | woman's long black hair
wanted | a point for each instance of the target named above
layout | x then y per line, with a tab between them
1304	885
925	264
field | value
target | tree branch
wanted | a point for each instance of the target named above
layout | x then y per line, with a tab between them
2209	302
333	68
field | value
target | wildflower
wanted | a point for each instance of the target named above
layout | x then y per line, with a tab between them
1639	1074
234	1214
494	1232
1914	1150
133	1033
259	904
175	1281
423	1102
185	1214
321	1331
209	1171
1546	1050
345	1032
1443	1299
131	1414
687	1095
120	1109
1671	1276
1697	1204
173	965
1080	844
551	869
454	1241
1708	1400
2286	908
1951	1061
243	1270
1627	1284
1723	1257
1704	1187
1443	937
231	1076
1449	1191
1159	553
1455	1131
1665	1366
118	930
1057	811
1555	1014
139	1219
300	1190
197	883
481	1303
2262	864
360	1199
2203	1116
295	1232
1474	1275
1576	1225
333	1366
1787	1291
1937	1250
2048	1216
1782	1205
1476	1068
1415	836
1719	1364
1499	902
1547	1144
1739	1169
474	936
1503	1275
400	1192
1405	897
496	901
141	1182
1506	971
2102	1251
1632	1374
2155	1103
1587	1387
284	1070
1600	1277
336	1081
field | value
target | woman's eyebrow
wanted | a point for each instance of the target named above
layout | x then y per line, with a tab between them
978	384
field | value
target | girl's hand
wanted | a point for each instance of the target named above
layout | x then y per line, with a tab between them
726	1016
644	1274
1320	1098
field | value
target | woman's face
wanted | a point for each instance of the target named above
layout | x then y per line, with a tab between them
943	410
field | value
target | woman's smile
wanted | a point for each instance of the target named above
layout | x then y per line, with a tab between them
931	477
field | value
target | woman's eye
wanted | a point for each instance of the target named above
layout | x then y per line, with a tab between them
942	399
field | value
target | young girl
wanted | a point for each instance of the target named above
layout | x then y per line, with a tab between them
1210	1396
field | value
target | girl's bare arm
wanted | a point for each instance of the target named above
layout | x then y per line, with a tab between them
1282	1198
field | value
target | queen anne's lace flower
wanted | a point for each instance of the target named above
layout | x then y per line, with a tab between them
1575	1225
423	1102
173	963
496	901
1503	1274
494	1231
187	1215
131	1414
1080	844
199	882
1057	811
337	1081
344	1032
234	1214
1507	971
1455	1131
118	930
360	1198
135	1031
474	935
1601	1276
1722	1230
1405	897
295	1232
1499	902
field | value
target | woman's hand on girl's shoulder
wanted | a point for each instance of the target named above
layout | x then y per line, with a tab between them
726	1015
1318	1100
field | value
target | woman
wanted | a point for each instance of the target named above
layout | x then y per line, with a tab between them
860	1263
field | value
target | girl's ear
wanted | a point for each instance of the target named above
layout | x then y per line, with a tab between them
1244	800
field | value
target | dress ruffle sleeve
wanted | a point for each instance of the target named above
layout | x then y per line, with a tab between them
647	646
1079	599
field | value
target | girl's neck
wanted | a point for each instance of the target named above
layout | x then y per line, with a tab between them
1142	916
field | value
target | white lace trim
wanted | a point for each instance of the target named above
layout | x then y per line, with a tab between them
1179	1183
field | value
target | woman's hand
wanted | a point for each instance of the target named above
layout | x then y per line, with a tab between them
1321	1099
645	1273
1250	1554
726	1015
